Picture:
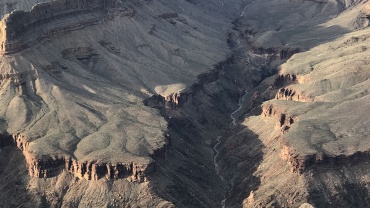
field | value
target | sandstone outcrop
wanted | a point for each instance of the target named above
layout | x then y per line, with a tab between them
285	79
85	115
50	166
172	101
320	162
291	94
81	109
284	120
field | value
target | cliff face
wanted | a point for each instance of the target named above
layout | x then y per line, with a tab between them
20	29
111	81
173	101
74	78
49	166
101	134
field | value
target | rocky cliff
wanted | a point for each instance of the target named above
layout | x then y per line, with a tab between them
50	166
74	78
20	29
143	91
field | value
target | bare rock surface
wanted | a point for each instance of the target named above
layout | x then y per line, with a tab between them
156	103
74	77
75	98
330	124
307	142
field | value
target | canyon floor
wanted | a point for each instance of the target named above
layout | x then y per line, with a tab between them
188	103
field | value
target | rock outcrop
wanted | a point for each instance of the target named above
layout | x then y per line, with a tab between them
172	101
291	94
283	120
320	162
285	79
50	166
275	53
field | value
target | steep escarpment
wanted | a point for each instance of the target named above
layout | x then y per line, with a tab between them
305	131
348	90
20	29
115	92
49	166
75	104
76	96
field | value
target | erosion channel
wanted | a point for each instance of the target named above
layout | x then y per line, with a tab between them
208	115
156	103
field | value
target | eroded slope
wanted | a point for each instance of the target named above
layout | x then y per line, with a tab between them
308	141
76	98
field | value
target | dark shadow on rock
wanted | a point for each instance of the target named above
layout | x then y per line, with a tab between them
240	156
6	140
340	183
14	179
187	176
346	195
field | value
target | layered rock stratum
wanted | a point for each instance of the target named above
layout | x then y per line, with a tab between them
150	103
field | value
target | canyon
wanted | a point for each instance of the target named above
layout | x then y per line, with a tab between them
150	103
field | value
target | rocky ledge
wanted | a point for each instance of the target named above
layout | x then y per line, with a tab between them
320	162
172	101
50	166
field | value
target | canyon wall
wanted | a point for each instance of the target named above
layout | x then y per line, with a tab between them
20	29
50	166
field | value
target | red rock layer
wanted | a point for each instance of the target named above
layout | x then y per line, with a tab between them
50	166
283	120
173	101
300	163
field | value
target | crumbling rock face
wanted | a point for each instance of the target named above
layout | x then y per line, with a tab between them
172	101
50	166
296	163
291	94
284	120
178	99
285	79
320	162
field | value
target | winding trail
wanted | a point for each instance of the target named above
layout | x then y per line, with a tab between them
217	167
215	148
237	110
241	100
233	114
